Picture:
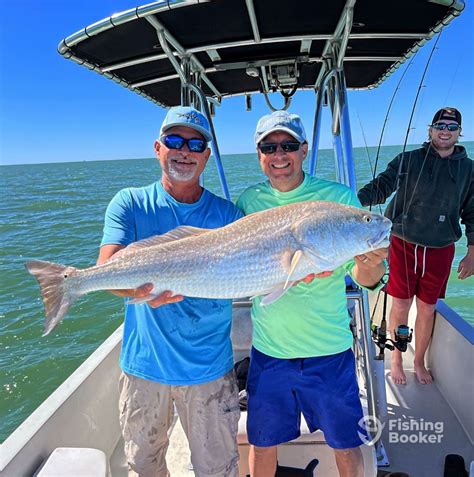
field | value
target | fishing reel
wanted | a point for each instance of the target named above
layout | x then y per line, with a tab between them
403	336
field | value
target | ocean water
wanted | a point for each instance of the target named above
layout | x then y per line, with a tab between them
55	212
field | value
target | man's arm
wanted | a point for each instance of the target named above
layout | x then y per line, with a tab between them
382	187
165	298
466	265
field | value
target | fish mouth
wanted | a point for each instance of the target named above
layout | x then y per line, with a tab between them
381	240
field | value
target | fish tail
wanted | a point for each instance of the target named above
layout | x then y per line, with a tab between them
57	299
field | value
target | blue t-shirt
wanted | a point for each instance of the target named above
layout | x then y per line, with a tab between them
181	343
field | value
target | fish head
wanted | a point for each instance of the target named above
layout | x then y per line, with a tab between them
339	232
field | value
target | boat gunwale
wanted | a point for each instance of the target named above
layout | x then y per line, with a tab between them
456	320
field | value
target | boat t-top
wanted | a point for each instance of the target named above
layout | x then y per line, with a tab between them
200	52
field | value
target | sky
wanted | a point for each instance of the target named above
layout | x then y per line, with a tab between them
52	110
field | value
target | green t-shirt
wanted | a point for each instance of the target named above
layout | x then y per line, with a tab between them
309	319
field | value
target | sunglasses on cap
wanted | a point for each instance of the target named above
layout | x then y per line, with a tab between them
442	126
271	147
173	141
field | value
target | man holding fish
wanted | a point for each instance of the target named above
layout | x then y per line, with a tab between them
180	353
301	360
172	235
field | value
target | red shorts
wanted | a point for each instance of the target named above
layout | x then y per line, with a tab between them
418	270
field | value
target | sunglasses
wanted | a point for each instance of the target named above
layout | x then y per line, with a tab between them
271	147
442	126
173	141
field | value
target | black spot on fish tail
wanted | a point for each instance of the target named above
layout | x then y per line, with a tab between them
56	299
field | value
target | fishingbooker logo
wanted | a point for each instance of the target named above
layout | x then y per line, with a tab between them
401	431
373	427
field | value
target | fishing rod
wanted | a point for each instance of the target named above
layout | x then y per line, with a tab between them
420	86
400	168
405	210
372	169
403	334
379	333
389	109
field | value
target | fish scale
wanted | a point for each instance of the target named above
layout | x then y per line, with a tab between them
250	257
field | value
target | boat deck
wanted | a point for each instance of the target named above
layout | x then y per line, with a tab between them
422	404
424	408
442	411
421	407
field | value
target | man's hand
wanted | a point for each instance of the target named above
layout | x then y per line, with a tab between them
309	278
370	267
466	265
106	252
371	259
164	298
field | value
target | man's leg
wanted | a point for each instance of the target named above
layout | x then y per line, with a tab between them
329	397
263	461
146	414
209	414
423	330
437	266
398	316
273	412
350	462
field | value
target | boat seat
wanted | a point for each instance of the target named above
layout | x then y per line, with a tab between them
74	462
306	437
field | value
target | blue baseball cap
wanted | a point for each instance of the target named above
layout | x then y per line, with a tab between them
189	117
280	121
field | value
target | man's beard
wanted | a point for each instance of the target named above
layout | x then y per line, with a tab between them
174	170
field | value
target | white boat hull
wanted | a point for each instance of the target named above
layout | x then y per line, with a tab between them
83	413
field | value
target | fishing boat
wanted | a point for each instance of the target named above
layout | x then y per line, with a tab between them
202	52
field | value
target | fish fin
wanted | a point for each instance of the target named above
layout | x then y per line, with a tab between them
260	294
56	299
276	294
143	299
294	262
175	234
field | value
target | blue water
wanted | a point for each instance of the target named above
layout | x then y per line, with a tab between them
54	212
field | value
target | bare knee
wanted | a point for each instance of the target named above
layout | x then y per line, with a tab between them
425	310
401	305
264	453
350	462
262	461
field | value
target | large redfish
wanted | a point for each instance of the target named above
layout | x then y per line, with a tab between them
261	254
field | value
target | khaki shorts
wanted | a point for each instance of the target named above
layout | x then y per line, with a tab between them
209	414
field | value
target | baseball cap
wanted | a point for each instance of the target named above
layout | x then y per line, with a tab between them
189	117
280	121
447	113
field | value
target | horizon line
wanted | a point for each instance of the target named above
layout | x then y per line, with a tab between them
211	156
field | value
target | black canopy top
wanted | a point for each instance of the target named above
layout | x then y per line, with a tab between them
233	47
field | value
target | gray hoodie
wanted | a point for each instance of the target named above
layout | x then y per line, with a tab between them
435	193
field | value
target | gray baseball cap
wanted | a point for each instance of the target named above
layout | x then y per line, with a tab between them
280	121
189	117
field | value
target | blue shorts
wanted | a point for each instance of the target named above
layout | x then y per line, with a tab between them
324	389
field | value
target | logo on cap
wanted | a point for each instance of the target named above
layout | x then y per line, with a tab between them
192	117
447	113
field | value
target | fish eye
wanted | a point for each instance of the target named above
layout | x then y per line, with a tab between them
367	218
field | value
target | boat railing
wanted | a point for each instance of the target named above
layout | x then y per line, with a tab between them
370	368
